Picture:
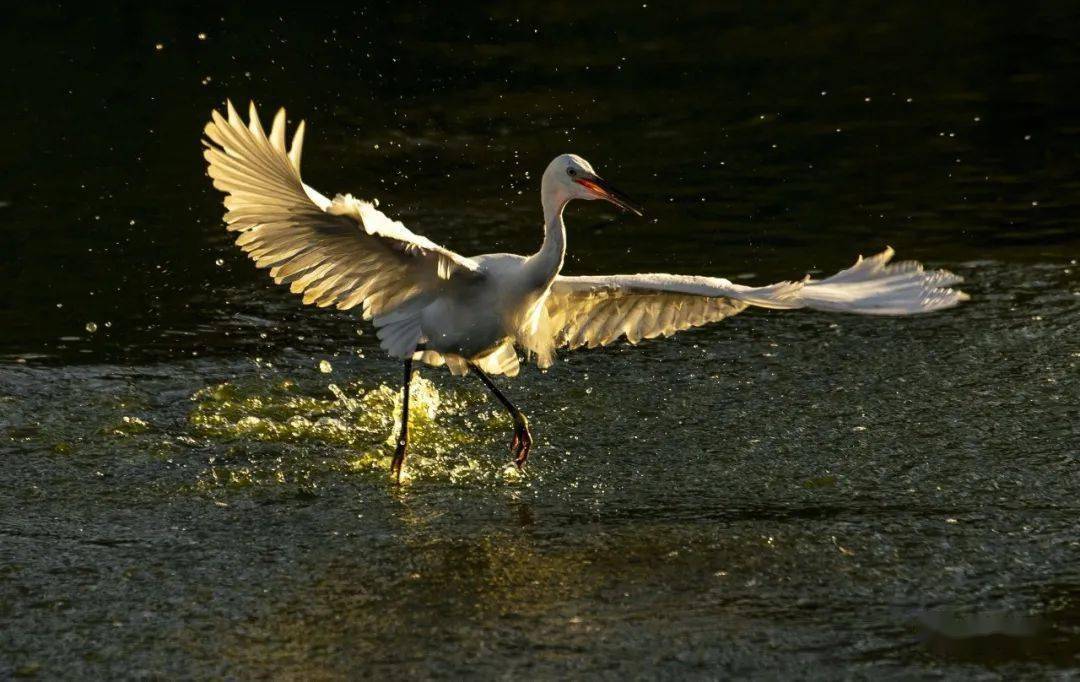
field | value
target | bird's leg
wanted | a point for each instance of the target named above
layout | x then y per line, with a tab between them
523	440
403	435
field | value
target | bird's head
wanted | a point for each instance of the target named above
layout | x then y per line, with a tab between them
571	177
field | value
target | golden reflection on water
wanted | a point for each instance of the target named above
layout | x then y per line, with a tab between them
441	589
447	430
479	594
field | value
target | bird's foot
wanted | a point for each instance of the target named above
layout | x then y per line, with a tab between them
522	442
399	460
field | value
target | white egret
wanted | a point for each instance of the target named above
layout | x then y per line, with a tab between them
432	305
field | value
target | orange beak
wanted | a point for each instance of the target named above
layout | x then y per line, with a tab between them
602	189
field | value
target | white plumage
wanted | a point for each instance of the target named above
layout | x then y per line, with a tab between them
433	305
594	311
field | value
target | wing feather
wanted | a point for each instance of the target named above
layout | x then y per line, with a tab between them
343	252
595	311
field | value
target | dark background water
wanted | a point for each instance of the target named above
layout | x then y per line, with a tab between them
185	493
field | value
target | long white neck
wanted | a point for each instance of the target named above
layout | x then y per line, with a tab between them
546	263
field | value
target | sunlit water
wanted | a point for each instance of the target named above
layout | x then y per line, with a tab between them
195	467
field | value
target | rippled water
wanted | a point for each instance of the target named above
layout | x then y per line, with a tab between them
194	466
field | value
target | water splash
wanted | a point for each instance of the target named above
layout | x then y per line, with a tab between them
450	434
128	426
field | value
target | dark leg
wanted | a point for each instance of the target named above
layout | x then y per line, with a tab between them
403	436
523	440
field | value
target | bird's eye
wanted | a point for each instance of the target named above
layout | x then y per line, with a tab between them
571	171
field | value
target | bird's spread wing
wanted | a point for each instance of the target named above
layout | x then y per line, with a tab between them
594	311
343	252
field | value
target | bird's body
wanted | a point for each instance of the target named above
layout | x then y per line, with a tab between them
430	304
476	318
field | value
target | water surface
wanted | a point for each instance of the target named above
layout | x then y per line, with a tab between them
186	491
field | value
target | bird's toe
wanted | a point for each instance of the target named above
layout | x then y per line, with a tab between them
523	442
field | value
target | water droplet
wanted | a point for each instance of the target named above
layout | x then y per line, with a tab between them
91	327
325	367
